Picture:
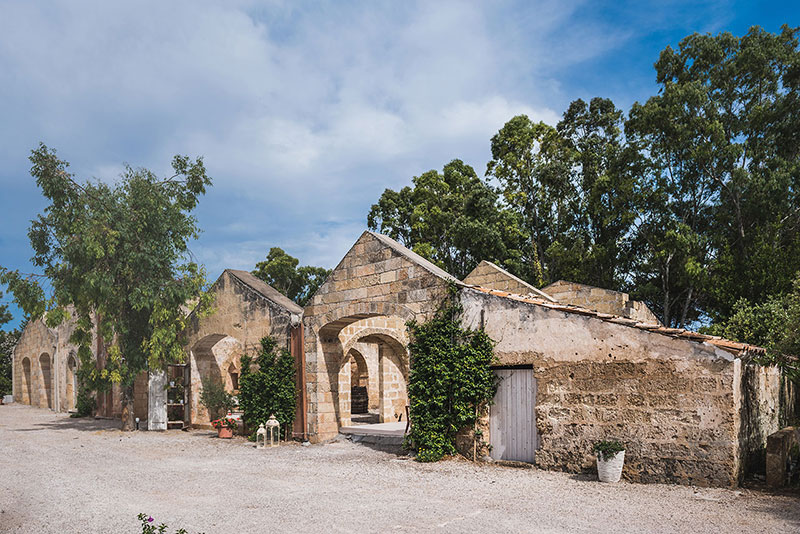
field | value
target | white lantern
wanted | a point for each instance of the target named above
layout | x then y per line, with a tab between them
273	431
261	437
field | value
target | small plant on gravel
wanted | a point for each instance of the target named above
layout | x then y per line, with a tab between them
149	527
607	449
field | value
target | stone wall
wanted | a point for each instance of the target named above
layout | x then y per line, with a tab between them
759	398
671	400
44	366
378	280
489	275
602	300
245	310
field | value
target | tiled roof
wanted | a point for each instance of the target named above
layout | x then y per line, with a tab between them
738	349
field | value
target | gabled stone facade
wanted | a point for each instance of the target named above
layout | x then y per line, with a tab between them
601	300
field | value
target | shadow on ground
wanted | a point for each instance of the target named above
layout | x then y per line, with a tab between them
88	424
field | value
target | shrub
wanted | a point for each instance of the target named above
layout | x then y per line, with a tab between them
269	389
607	449
450	378
216	400
148	526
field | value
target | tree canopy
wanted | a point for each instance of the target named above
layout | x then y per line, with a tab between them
280	270
115	257
690	201
451	218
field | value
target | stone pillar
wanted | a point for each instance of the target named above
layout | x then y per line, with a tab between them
345	377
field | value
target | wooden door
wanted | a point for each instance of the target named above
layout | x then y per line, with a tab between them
513	416
157	401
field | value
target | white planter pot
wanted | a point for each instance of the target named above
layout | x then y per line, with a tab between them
610	470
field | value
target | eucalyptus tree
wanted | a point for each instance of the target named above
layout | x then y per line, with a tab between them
724	156
116	257
451	218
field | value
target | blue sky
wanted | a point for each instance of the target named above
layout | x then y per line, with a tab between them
306	112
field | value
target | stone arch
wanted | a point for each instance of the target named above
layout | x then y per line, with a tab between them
332	322
392	375
71	388
27	385
46	383
359	381
210	359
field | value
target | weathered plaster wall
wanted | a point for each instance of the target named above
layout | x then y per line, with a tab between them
377	280
242	315
602	300
670	400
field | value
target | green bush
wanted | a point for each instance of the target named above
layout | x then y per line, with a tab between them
216	400
270	388
450	378
607	449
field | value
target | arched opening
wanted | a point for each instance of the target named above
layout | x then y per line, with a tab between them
233	377
214	362
26	393
359	386
72	383
46	387
388	381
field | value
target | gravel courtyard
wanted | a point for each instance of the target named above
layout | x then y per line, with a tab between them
65	475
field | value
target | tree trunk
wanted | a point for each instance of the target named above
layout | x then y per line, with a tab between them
127	408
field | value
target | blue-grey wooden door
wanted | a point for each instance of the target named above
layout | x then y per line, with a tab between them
512	431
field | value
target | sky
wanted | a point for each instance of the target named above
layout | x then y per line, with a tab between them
304	112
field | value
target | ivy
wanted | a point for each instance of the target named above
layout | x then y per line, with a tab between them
270	388
450	379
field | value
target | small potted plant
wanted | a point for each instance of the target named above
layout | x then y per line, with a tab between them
225	427
610	458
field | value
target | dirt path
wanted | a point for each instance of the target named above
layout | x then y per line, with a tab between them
64	475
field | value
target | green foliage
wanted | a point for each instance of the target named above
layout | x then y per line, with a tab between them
451	378
722	216
216	400
574	189
452	219
7	342
608	449
281	271
149	526
268	387
116	254
773	324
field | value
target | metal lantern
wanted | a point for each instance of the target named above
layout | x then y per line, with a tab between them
273	431
261	437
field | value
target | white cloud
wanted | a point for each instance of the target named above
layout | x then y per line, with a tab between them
303	115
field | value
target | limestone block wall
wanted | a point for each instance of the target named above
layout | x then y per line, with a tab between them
602	300
242	315
489	275
377	279
44	365
672	401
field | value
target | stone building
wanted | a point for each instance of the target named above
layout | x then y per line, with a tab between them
45	366
691	408
578	364
245	310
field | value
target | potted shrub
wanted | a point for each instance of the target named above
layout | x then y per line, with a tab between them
610	458
225	427
216	400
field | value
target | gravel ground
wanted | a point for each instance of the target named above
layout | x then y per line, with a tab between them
66	475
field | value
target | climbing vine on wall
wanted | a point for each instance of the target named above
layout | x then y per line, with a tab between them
450	379
268	389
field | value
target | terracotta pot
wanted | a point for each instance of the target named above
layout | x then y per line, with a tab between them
225	433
